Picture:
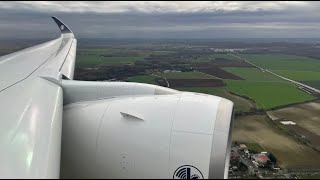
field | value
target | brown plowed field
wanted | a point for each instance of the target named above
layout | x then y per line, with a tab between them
195	83
289	152
313	138
217	72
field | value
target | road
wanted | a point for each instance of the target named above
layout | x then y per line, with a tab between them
168	85
284	78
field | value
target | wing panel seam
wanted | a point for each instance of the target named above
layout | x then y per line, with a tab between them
29	74
66	56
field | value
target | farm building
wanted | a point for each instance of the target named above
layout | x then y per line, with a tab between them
261	159
288	123
243	147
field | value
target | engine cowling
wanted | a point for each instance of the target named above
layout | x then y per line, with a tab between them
182	135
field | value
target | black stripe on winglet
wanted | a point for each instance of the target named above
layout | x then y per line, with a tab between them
63	28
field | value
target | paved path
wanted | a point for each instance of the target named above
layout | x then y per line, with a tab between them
168	85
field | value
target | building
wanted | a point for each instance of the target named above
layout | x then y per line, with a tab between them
243	147
246	151
262	160
170	71
234	158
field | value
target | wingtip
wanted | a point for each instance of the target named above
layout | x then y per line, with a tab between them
63	28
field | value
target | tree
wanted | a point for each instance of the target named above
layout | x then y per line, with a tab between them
272	158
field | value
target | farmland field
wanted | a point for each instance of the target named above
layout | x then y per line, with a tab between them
95	60
290	154
240	103
162	52
195	83
315	84
217	72
143	79
283	62
305	115
119	52
214	56
94	51
185	75
254	147
299	75
222	63
311	137
269	94
253	74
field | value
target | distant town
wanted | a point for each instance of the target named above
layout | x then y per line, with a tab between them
245	163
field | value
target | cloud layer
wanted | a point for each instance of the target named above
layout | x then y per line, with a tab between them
153	6
162	19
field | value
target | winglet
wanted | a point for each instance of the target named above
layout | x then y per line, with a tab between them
63	28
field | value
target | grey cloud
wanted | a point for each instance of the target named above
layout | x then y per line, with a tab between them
158	20
153	6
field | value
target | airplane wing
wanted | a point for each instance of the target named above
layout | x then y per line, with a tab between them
53	126
31	106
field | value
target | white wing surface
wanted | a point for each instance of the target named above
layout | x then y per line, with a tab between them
31	107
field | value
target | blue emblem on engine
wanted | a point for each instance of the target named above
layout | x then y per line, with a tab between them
187	172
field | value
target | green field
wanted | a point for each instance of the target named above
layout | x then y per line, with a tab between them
89	58
254	147
315	84
240	104
252	74
283	62
143	79
269	94
299	75
89	61
266	89
185	75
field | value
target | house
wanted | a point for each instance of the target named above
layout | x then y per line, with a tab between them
262	160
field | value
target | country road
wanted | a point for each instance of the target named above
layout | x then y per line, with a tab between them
168	85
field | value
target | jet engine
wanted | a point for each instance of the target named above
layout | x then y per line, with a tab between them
133	130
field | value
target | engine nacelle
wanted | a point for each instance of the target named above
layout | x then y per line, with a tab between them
183	135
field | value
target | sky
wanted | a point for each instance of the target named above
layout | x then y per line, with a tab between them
162	19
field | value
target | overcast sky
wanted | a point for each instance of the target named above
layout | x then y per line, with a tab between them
154	19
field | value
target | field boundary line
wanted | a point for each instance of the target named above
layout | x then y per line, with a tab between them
209	75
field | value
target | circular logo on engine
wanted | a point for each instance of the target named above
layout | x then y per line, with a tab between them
187	172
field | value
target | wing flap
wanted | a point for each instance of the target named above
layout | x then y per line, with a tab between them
30	131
